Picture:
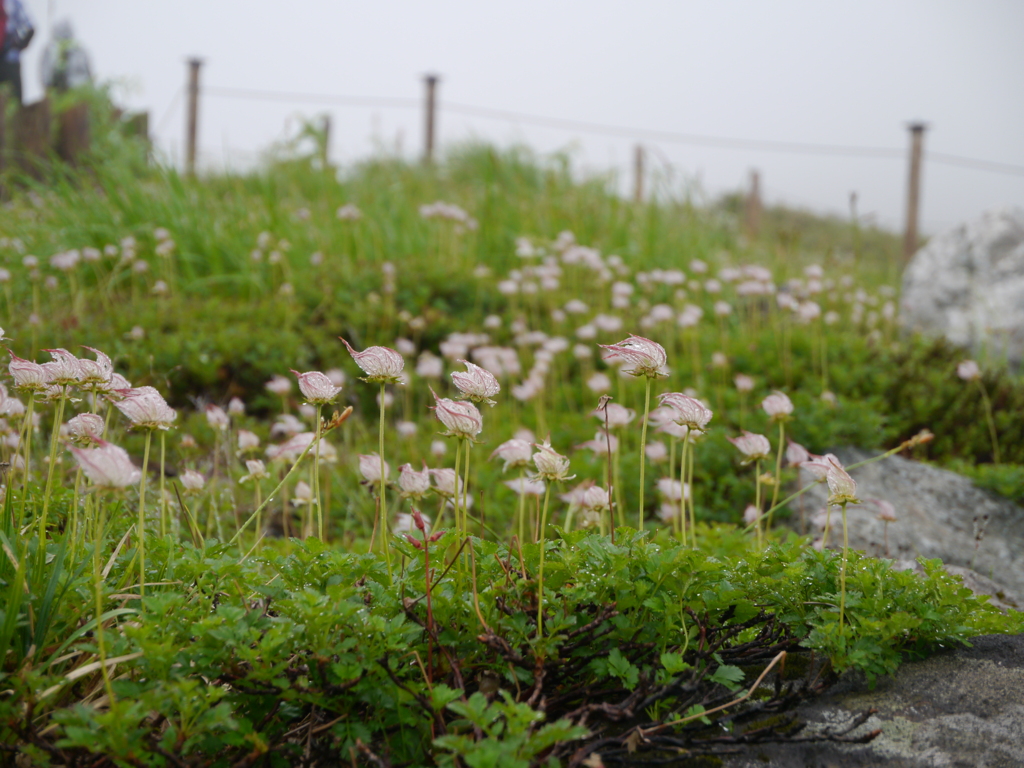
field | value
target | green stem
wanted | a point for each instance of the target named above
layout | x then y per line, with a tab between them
383	489
757	499
316	477
455	490
842	572
97	573
778	474
643	446
142	516
689	484
163	494
682	487
54	440
522	504
28	455
465	489
540	574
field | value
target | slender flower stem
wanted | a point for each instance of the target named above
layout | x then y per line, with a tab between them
689	484
778	475
543	548
842	572
142	516
316	477
522	503
617	472
164	516
28	455
458	463
757	499
643	447
74	514
58	419
682	490
97	574
383	489
465	488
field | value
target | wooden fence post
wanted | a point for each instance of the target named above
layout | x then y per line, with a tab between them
31	143
910	236
430	107
73	132
192	116
638	174
752	207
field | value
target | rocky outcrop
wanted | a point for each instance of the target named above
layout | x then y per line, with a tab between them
939	514
967	284
957	709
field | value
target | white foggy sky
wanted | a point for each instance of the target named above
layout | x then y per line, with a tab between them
788	70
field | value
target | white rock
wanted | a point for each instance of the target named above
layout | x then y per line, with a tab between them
967	284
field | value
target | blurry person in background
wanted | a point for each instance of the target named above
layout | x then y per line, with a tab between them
16	32
65	63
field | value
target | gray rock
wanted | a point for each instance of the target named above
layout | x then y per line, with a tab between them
967	284
938	515
957	709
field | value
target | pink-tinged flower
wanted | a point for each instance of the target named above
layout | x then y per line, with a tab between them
278	385
818	466
28	376
751	514
292	448
247	441
647	357
257	471
64	369
460	418
550	464
476	383
886	511
412	483
594	499
303	494
217	418
796	454
107	466
192	481
601	444
316	387
86	429
526	487
446	482
117	383
236	407
381	365
968	370
690	412
673	490
514	452
369	468
753	447
778	406
614	415
146	408
286	425
96	374
743	382
656	451
842	489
